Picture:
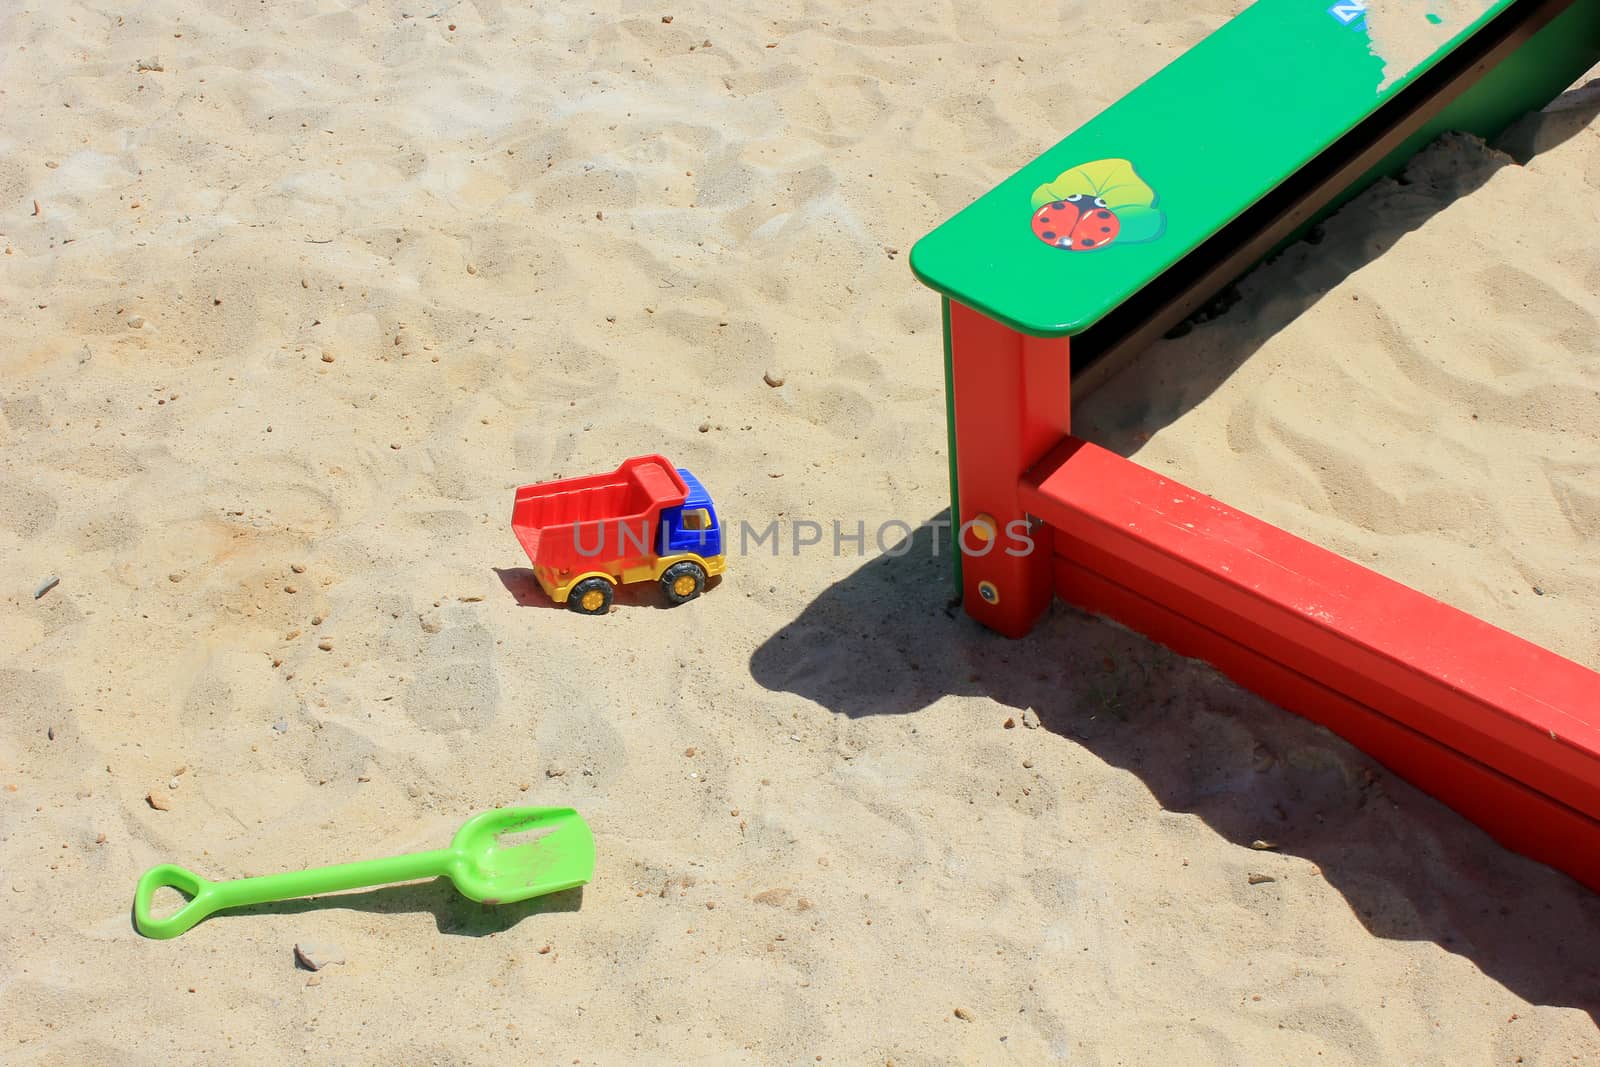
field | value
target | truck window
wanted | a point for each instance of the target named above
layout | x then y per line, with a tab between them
698	519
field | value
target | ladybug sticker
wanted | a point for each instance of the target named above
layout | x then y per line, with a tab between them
1097	228
1095	205
1078	222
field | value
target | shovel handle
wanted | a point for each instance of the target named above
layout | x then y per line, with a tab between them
208	897
171	876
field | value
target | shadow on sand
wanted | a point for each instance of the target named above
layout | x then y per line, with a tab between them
887	641
525	590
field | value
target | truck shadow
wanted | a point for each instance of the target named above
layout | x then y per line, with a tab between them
525	590
887	641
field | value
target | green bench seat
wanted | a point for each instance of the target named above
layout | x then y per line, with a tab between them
1289	88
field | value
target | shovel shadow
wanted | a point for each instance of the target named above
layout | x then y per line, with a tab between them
452	913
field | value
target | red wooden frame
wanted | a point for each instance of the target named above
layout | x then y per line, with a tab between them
1500	729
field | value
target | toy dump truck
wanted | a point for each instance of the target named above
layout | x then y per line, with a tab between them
645	521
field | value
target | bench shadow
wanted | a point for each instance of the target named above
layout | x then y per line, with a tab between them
886	640
1158	385
452	913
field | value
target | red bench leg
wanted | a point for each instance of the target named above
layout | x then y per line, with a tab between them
1013	399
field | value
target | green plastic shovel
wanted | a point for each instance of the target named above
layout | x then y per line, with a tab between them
555	852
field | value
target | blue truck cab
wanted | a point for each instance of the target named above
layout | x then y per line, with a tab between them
691	526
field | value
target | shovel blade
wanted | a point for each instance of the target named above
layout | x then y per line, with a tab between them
512	854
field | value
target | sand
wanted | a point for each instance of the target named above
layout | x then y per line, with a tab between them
1419	391
1405	33
307	296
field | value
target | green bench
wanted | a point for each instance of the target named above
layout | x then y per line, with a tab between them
1244	141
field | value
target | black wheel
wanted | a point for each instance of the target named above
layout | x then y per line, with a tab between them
683	581
592	596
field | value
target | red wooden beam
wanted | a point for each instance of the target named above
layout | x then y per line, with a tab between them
1504	731
1518	817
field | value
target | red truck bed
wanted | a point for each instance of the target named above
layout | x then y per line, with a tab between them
584	523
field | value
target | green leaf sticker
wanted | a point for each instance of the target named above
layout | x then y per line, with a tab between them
1118	185
1140	224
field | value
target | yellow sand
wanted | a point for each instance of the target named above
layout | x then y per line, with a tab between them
1404	33
532	244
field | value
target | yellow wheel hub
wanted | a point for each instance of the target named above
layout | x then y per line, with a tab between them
684	585
592	600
